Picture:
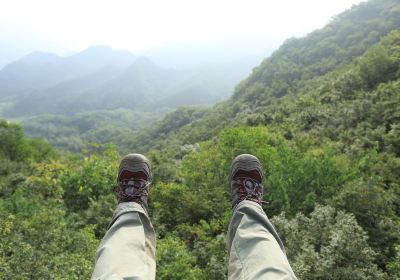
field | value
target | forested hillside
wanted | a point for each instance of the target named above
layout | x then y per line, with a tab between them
141	86
104	95
322	114
297	66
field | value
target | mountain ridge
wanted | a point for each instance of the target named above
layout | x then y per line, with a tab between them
141	85
283	73
322	116
40	70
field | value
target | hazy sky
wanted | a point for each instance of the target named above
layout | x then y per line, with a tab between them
71	25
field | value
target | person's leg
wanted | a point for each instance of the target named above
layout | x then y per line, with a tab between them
127	251
254	247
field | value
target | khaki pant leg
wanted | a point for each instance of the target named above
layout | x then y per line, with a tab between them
127	251
254	247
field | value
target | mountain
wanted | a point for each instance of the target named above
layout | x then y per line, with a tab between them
299	64
321	114
39	70
209	84
140	86
62	97
36	70
38	58
96	57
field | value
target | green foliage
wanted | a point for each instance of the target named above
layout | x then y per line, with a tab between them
174	260
373	206
394	266
90	178
208	243
74	133
377	67
322	115
327	245
333	140
11	141
14	147
174	197
36	240
298	177
300	60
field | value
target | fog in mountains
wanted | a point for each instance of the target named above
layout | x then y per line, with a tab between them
62	95
321	113
102	78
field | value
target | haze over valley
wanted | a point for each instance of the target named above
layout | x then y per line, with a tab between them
162	61
42	88
311	88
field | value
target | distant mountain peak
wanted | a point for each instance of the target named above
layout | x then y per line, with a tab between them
39	58
103	55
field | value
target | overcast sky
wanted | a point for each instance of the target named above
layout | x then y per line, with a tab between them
72	25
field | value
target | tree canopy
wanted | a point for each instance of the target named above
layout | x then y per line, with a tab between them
321	114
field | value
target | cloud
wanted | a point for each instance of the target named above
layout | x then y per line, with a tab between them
132	24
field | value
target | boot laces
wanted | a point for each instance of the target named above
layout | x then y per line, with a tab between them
250	189
132	189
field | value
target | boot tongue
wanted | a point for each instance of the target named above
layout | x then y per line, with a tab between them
129	190
126	174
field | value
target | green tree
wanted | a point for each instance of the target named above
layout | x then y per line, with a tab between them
327	245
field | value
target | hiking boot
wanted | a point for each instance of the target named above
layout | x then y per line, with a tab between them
246	177
134	179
